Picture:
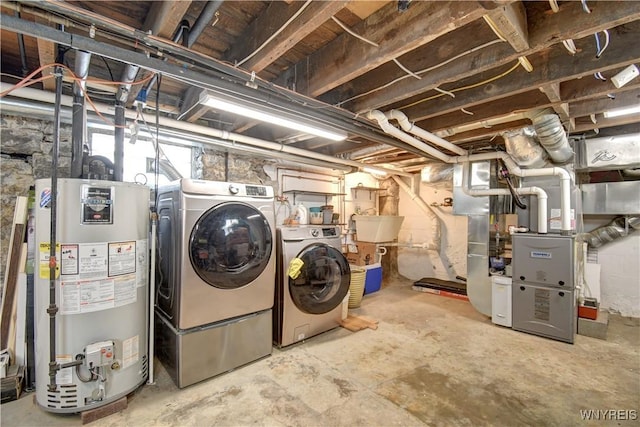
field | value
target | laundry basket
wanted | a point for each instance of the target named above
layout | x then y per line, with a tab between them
356	286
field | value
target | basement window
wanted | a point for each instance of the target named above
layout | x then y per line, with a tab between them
139	158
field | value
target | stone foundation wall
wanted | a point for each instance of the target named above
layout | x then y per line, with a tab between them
25	147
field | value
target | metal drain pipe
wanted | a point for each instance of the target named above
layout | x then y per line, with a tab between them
246	142
79	112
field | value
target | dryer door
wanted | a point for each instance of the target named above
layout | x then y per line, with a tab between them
230	245
323	281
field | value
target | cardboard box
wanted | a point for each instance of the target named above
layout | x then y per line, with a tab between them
365	254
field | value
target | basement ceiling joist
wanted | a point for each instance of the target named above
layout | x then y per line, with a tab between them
338	60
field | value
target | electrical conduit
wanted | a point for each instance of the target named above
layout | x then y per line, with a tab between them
38	95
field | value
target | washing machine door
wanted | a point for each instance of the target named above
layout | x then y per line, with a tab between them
323	281
230	245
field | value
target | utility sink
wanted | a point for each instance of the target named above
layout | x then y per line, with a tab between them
377	228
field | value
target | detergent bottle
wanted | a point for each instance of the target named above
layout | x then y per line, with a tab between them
302	214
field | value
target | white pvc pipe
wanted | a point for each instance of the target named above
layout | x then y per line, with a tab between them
38	95
437	232
562	174
407	126
537	191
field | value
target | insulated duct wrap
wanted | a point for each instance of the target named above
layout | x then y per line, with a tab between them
612	231
553	138
438	174
521	144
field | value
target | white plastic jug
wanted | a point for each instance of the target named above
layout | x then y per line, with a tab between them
303	215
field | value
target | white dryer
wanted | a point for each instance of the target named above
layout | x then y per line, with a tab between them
310	302
216	276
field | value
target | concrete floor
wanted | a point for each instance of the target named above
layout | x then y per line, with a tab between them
432	361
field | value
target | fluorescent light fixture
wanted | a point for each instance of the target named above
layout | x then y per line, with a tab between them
267	114
622	111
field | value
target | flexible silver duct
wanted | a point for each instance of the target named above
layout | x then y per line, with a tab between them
612	231
552	137
521	144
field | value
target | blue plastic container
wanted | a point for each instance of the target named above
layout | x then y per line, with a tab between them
373	278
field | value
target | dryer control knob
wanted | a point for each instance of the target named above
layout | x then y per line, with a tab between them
233	189
315	232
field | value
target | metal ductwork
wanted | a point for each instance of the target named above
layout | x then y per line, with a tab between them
521	144
619	227
552	136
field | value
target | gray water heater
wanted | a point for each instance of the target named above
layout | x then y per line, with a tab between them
101	292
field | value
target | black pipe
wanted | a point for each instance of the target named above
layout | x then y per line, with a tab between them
79	115
23	53
118	153
52	310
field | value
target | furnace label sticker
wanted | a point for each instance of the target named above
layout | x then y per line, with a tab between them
555	221
93	261
542	303
69	259
130	351
43	260
122	258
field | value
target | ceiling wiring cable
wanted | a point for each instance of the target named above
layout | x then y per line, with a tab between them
600	50
444	92
554	6
570	46
585	6
406	70
423	71
471	86
467	111
274	35
493	27
353	33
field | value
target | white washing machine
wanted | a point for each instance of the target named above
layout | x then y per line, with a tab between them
216	276
309	303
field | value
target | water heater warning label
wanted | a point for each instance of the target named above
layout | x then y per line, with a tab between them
95	295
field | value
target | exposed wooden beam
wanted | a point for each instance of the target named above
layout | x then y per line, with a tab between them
274	17
624	99
46	55
552	91
551	66
162	20
585	124
395	34
570	22
510	21
164	16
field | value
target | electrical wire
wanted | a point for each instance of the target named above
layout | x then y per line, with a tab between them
353	33
600	50
489	80
423	71
274	35
406	70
